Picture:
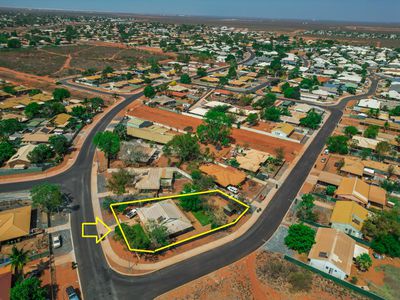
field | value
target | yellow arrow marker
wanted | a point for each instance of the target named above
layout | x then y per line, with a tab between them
98	239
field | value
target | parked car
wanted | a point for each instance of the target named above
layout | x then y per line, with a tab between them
323	160
56	241
71	293
131	213
233	189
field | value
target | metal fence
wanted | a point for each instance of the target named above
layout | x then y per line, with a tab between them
334	279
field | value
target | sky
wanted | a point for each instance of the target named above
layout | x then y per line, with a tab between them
334	10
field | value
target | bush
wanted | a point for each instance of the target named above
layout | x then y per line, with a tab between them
301	281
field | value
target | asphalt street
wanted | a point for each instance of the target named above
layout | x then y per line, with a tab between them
100	282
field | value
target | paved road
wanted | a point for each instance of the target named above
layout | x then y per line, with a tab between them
100	282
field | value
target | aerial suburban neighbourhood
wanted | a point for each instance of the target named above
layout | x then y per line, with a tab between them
160	154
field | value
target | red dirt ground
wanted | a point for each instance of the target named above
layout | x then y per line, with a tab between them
240	136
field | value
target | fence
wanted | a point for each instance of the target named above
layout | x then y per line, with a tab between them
334	279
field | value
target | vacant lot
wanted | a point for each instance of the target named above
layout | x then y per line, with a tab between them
241	137
60	61
32	61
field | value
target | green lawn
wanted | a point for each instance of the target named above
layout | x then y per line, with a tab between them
203	218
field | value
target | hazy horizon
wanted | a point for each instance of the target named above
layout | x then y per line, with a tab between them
383	11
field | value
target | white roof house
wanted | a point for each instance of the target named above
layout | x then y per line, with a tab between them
369	103
166	213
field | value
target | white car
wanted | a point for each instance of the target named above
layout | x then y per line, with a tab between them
131	213
56	241
233	189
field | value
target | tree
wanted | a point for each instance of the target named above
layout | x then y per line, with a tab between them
10	126
79	112
107	70
338	144
118	181
6	151
272	114
121	131
292	93
300	238
252	119
216	128
40	154
149	91
382	148
14	43
280	154
305	209
32	110
371	132
218	218
268	100
350	131
185	78
351	90
158	234
109	143
312	120
330	190
106	204
28	289
47	196
201	72
386	244
59	143
18	258
60	94
192	202
95	103
232	72
185	146
363	262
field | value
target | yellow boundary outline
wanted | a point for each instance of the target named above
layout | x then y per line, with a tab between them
247	207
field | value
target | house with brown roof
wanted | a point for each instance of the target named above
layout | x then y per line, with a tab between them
20	159
5	282
348	217
224	176
357	190
332	252
283	130
15	223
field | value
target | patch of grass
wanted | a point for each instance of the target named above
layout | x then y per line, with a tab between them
202	217
391	288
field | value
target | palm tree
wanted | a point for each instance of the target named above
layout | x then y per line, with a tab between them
18	258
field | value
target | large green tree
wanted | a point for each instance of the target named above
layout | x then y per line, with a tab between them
300	238
312	120
47	196
185	78
60	94
10	126
119	180
40	154
338	144
149	91
6	151
32	110
108	143
216	128
28	289
184	146
59	143
272	114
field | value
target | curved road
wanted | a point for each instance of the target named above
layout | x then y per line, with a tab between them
100	282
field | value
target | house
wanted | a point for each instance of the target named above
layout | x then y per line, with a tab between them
130	149
168	214
369	103
332	252
61	120
163	101
224	176
283	130
348	217
146	130
357	190
251	160
15	223
352	167
155	178
20	159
